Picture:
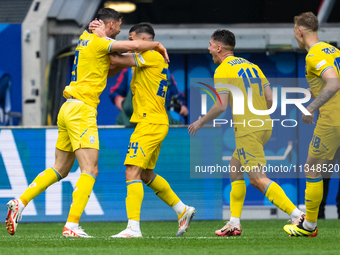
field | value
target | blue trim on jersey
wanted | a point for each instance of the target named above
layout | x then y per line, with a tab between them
142	151
319	179
324	146
151	180
223	92
324	70
313	46
267	84
265	190
109	49
58	174
91	175
83	133
237	180
132	182
135	58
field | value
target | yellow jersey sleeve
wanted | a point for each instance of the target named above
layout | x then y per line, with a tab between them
147	58
317	64
103	44
221	77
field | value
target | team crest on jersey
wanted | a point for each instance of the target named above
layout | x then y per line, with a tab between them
141	58
92	139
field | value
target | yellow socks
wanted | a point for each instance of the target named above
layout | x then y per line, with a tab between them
277	196
163	190
134	199
81	195
237	196
313	197
40	184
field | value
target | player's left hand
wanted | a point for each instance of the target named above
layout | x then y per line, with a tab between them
308	119
194	127
162	50
97	27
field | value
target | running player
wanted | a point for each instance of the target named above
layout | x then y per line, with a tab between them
148	86
78	133
250	140
322	73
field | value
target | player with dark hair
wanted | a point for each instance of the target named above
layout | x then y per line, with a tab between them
250	140
322	74
78	133
149	87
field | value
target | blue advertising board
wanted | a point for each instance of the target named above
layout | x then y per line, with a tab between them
27	152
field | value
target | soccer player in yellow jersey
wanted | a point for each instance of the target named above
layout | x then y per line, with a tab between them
78	134
322	73
250	140
148	86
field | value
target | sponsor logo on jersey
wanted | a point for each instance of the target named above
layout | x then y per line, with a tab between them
321	63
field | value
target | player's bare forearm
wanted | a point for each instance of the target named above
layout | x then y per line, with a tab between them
268	93
327	93
122	60
215	111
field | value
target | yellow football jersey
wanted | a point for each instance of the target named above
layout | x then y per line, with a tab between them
149	87
321	57
243	74
90	68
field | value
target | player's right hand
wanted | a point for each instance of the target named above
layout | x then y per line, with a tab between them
162	50
95	25
194	127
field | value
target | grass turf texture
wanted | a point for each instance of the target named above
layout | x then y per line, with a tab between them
258	237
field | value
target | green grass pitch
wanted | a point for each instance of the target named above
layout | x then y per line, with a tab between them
258	237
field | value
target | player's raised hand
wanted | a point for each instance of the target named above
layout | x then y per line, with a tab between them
162	50
194	127
97	27
94	24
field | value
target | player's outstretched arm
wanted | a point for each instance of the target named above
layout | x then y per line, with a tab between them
216	110
332	86
122	60
140	46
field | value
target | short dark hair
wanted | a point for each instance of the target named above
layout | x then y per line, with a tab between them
307	20
224	36
108	14
143	27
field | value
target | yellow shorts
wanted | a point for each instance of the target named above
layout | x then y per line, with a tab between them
77	125
145	145
325	142
249	149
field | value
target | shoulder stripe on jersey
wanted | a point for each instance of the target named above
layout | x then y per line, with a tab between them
267	84
135	58
109	49
324	70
